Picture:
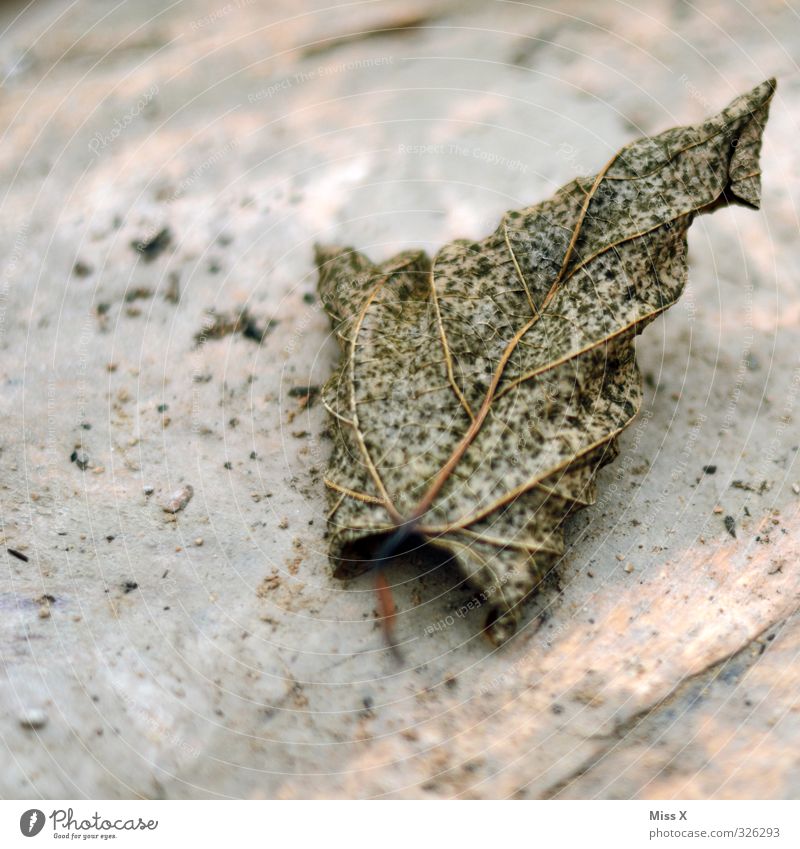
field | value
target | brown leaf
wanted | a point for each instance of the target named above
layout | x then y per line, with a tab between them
480	391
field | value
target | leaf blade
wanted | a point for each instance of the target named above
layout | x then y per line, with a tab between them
491	382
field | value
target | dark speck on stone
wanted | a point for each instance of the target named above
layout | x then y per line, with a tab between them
251	330
730	526
80	459
556	709
150	248
81	269
304	392
709	470
129	586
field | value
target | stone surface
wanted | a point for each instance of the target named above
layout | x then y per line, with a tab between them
165	174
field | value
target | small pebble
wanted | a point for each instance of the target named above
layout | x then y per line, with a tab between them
796	488
198	542
718	509
284	523
629	567
620	557
33	719
148	489
179	499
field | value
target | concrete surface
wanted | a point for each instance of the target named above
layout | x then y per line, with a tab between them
207	653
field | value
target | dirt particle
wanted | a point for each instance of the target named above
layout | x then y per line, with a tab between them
268	585
138	293
730	526
150	248
777	567
303	391
179	499
80	459
172	294
760	489
709	470
33	719
219	325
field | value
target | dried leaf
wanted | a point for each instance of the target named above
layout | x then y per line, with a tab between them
480	391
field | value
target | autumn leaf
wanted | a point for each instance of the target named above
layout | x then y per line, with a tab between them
480	391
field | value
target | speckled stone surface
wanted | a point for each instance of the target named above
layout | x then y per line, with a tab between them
165	174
